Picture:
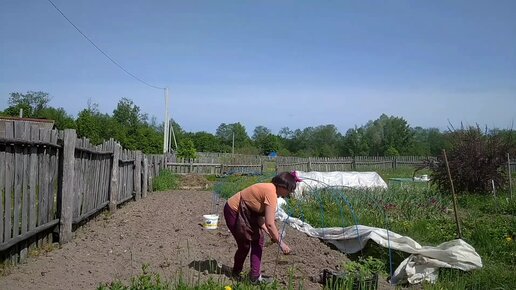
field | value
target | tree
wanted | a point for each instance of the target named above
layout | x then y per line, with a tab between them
128	114
355	143
95	126
225	134
61	119
397	135
265	141
326	141
204	141
186	149
32	103
386	132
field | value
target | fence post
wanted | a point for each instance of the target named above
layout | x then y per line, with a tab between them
353	164
145	176
309	164
190	168
66	192
394	162
113	194
222	169
138	175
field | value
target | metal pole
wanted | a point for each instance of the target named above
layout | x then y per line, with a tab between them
459	232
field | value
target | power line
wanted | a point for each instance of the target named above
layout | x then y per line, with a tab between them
101	51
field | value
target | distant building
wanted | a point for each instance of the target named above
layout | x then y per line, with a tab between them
40	123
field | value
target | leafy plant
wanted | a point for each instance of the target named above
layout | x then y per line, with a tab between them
186	149
166	180
365	268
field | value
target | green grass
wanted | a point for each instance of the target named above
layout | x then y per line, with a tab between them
166	180
152	281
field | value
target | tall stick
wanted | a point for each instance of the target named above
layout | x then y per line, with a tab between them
510	175
459	231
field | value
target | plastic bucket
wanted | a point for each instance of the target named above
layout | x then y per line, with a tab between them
210	221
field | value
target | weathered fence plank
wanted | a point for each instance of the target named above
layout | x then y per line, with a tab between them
66	210
33	179
9	182
24	135
138	175
2	186
113	194
145	176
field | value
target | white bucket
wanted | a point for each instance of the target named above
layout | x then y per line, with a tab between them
210	221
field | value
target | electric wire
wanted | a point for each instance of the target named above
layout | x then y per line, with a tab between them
101	51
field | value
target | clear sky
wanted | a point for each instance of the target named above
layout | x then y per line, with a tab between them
271	63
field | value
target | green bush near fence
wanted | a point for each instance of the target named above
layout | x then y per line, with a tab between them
166	180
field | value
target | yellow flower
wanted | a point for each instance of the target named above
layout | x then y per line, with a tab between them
227	288
508	239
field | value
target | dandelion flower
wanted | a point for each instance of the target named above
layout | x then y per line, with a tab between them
508	239
227	287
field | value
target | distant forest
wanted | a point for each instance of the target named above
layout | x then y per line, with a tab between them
385	136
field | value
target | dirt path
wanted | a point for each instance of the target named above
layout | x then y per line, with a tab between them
164	231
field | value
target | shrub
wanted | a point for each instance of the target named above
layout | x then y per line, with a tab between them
475	159
166	180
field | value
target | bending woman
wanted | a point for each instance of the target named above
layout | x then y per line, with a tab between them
251	212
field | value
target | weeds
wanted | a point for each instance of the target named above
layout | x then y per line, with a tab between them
166	180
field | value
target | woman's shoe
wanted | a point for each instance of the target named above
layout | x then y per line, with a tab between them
261	280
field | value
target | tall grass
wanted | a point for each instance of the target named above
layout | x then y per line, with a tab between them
166	180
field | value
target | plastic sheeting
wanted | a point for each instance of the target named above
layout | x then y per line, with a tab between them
423	263
314	180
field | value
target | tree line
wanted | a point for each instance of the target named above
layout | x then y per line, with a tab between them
385	136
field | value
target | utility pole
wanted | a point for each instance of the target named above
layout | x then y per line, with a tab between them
165	124
233	146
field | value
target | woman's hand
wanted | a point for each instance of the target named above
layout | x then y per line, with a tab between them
284	248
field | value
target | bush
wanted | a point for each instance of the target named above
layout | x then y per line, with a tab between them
166	180
475	160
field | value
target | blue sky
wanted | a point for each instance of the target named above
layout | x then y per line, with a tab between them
271	63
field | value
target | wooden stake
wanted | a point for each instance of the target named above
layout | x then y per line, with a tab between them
459	232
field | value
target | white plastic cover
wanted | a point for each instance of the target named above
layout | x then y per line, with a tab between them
314	180
422	265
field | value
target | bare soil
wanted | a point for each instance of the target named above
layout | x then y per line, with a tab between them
165	232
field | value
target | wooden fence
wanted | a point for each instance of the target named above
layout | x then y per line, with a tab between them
52	182
324	164
227	163
208	163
